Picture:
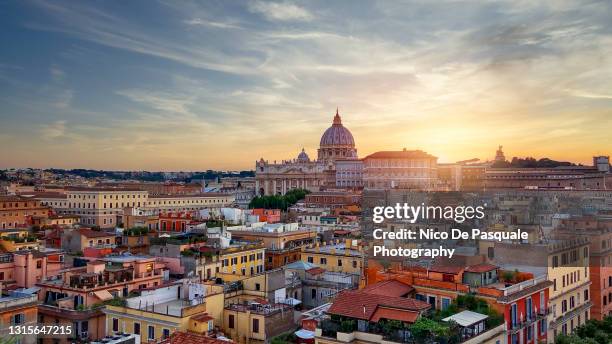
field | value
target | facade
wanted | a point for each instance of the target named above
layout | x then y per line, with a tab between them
18	309
18	211
336	144
77	295
282	247
349	173
343	257
599	233
332	199
104	206
400	169
158	313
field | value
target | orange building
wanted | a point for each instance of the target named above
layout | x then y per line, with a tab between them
17	211
18	309
174	222
267	215
77	296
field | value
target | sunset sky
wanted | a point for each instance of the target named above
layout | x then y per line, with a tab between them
178	85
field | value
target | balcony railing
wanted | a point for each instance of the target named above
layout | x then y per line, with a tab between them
534	317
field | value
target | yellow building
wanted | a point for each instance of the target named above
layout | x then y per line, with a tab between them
345	257
239	260
158	313
13	240
568	269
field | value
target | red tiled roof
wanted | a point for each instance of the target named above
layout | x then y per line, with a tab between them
446	269
89	233
394	314
202	317
360	305
192	338
388	288
479	268
316	271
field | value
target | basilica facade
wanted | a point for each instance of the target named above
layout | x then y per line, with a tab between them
336	145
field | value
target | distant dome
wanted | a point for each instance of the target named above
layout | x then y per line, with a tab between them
303	157
337	134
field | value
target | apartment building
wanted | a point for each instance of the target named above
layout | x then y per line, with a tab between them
77	296
161	311
18	309
345	257
18	211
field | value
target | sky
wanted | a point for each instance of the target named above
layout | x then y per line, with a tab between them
181	85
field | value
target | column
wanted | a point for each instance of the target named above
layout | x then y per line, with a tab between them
274	187
284	186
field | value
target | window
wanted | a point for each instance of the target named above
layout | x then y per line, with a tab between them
151	332
256	325
257	286
354	264
313	294
136	328
310	260
115	325
18	319
323	261
339	262
165	333
445	303
231	321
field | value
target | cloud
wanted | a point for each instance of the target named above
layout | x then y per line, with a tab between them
53	130
210	23
280	11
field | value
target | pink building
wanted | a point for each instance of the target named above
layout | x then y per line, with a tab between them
23	269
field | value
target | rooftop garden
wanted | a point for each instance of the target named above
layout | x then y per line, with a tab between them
427	329
278	201
136	231
183	239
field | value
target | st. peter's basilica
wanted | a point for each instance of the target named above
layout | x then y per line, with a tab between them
337	145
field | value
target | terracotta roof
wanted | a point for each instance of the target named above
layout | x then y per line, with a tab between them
202	317
316	271
394	314
89	233
403	154
446	269
389	288
361	305
480	268
193	338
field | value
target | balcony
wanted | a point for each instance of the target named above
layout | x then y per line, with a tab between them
535	317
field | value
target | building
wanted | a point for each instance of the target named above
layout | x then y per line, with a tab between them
336	143
105	206
400	169
18	211
365	310
78	295
158	313
79	240
345	257
18	309
332	199
283	245
349	173
566	265
241	259
180	337
598	231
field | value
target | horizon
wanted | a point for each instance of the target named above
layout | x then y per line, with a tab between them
196	86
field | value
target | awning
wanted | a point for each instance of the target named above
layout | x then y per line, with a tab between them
291	301
103	295
304	334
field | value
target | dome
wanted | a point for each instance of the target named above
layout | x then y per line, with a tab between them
303	157
337	134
